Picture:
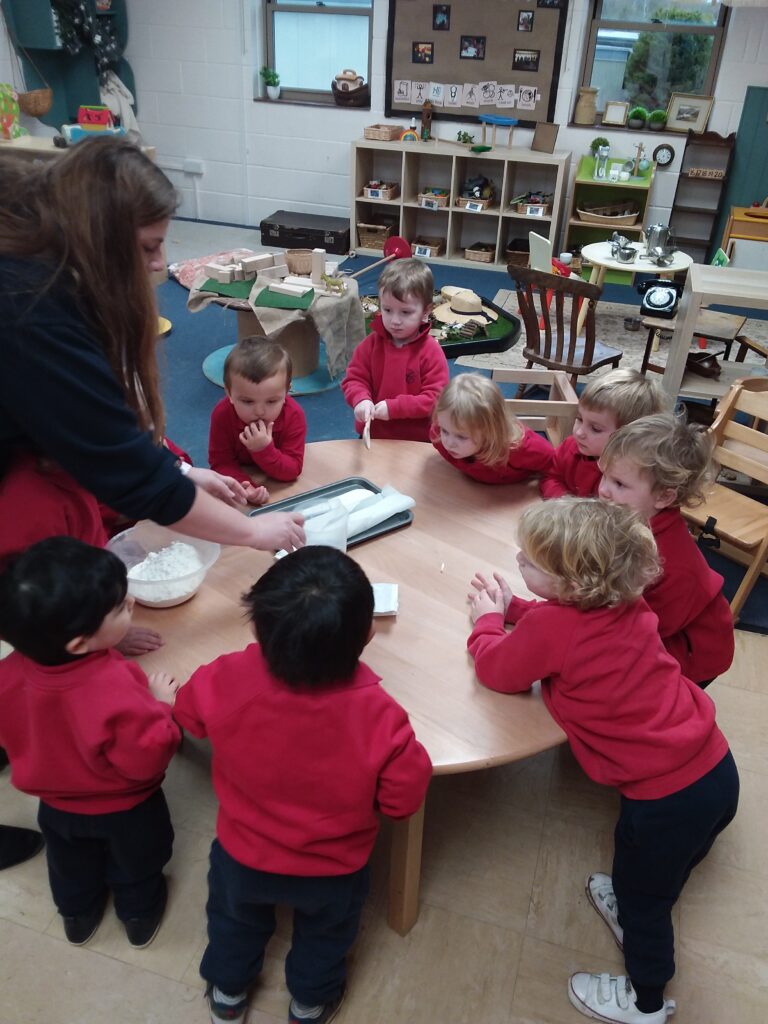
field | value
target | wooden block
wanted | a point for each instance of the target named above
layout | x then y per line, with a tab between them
258	262
280	259
274	273
239	273
289	289
299	281
318	265
219	272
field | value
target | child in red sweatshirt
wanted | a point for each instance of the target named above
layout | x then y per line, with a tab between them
654	466
308	749
397	372
88	733
258	425
605	404
633	721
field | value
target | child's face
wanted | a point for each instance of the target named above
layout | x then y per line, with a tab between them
114	626
402	318
456	442
592	430
538	582
263	401
624	483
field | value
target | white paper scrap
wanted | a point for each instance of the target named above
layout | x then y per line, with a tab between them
385	599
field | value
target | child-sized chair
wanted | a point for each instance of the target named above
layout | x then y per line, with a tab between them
737	520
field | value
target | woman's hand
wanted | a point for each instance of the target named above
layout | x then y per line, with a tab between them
139	640
481	583
225	488
364	410
279	530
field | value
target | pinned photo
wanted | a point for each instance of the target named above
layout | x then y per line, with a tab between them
472	48
526	60
422	53
441	17
525	21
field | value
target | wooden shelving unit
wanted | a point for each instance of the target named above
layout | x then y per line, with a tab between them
417	166
698	198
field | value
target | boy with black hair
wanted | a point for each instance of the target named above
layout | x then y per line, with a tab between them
307	748
88	733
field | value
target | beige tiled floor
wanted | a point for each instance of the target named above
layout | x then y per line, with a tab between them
503	916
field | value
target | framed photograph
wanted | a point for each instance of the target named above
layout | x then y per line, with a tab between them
526	60
422	53
555	4
441	17
472	48
688	112
525	21
615	112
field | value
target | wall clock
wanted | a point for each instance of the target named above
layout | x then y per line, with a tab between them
664	154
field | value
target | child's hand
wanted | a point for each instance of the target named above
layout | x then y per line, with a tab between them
256	436
163	687
364	410
226	488
256	495
481	583
380	411
139	640
485	601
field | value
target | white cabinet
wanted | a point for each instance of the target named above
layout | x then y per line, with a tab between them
417	167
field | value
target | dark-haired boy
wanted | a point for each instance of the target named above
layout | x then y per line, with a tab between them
88	733
307	748
257	424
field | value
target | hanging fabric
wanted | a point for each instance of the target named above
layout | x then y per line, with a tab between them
78	27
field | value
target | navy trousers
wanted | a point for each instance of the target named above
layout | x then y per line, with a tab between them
241	920
124	851
657	845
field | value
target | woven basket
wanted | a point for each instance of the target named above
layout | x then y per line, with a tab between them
624	213
463	202
387	191
373	236
383	132
36	102
479	255
299	261
435	246
515	258
432	198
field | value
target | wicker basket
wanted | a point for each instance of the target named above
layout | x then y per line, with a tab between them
516	258
433	199
387	190
463	201
373	236
428	246
383	132
299	261
36	102
478	253
623	213
525	207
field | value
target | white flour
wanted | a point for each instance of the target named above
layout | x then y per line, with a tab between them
162	570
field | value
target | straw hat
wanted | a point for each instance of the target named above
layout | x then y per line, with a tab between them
463	306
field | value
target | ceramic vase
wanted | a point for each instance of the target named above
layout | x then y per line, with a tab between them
273	91
585	110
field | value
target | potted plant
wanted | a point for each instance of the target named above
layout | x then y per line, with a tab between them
637	117
657	120
599	143
272	82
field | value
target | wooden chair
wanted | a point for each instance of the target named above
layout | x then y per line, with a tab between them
557	345
737	520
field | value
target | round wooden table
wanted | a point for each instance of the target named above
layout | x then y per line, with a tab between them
459	526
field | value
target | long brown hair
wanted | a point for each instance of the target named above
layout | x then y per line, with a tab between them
79	215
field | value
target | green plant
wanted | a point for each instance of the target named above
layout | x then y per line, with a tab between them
657	117
465	137
638	114
595	144
663	63
270	76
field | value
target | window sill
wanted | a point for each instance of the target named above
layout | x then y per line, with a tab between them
282	102
623	128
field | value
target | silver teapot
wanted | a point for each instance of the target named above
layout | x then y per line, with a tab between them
622	249
658	236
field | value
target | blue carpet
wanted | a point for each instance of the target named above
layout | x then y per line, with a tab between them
320	380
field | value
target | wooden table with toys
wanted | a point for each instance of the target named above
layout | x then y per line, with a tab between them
459	527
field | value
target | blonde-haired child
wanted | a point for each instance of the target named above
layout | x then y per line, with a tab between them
397	372
257	424
605	404
476	433
633	721
654	466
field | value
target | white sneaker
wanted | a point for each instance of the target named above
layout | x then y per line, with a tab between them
600	894
612	999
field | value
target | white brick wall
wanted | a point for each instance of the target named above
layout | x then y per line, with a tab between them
195	63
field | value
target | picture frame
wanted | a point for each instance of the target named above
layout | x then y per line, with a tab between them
422	52
688	112
441	17
526	60
472	48
525	21
615	112
545	137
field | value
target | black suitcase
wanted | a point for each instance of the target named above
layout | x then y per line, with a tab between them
306	231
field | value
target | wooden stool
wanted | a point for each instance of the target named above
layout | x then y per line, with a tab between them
724	327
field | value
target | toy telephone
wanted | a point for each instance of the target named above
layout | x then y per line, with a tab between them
660	297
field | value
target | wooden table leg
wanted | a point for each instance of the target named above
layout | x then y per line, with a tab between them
597	276
404	873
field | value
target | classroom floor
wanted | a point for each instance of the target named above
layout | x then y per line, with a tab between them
503	920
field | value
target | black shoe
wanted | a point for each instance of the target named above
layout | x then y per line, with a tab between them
232	1013
327	1012
82	927
18	845
142	930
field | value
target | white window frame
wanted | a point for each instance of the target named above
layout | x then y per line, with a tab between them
321	96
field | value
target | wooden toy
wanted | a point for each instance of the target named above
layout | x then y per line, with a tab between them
496	120
334	285
289	289
318	265
219	272
395	248
253	264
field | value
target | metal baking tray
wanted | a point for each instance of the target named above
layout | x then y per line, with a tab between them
349	483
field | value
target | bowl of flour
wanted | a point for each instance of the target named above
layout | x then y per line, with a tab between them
165	568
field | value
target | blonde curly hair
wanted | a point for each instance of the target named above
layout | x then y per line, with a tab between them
597	553
672	454
478	409
627	394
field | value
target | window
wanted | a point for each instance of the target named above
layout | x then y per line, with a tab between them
642	51
310	41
